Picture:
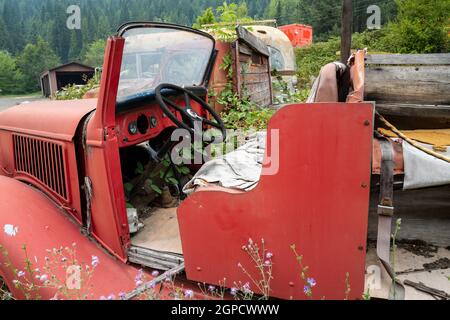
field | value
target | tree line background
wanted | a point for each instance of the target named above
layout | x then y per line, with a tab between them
34	36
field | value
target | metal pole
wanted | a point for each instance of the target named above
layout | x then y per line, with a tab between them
346	30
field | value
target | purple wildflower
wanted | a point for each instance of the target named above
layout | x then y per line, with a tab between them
43	278
155	273
311	282
139	278
20	274
122	295
246	288
269	255
188	294
233	291
95	261
307	290
111	297
211	288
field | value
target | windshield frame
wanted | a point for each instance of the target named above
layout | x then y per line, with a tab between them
163	25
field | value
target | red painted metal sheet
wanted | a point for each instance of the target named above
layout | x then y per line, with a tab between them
318	200
41	226
109	219
33	118
300	35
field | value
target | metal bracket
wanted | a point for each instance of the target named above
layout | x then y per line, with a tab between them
385	210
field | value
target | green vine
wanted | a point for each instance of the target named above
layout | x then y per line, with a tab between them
240	112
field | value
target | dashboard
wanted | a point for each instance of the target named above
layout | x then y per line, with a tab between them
145	120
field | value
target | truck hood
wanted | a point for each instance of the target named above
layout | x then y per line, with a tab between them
49	119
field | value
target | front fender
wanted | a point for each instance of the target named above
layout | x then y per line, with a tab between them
28	217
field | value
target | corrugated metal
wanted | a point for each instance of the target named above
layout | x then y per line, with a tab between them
41	160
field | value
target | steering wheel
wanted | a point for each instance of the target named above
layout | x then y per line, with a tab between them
187	113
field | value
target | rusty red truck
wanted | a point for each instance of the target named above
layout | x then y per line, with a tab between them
98	175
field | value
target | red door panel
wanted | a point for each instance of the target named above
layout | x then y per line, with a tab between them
318	200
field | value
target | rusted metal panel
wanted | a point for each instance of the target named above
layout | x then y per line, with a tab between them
398	157
218	81
324	213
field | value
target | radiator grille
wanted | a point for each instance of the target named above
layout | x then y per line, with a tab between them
41	160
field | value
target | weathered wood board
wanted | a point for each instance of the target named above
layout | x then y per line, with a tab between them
413	90
425	215
254	78
428	85
409	59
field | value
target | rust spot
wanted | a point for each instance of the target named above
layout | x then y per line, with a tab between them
366	123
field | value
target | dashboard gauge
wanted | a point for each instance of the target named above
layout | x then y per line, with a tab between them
133	127
153	122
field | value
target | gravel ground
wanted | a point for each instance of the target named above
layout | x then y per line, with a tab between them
7	102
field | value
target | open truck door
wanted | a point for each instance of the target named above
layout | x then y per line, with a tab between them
317	200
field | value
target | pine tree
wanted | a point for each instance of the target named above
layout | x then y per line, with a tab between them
35	59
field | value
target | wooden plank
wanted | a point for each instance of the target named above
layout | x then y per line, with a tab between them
257	77
409	59
248	38
254	69
424	213
408	84
245	50
414	110
161	232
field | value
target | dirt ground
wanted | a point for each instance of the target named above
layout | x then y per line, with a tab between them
415	261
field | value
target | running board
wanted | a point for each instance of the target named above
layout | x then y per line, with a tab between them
151	284
154	259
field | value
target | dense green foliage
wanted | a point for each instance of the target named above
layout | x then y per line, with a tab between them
325	15
421	27
34	36
94	53
240	112
22	21
74	92
34	59
10	75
